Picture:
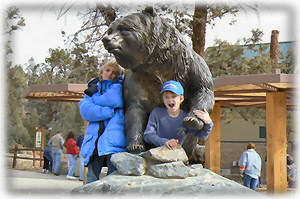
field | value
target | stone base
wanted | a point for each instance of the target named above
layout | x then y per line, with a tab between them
205	183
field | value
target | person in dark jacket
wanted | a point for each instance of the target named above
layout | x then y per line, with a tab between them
102	107
47	168
81	159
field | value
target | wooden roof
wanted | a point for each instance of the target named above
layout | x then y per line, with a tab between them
230	91
250	90
56	92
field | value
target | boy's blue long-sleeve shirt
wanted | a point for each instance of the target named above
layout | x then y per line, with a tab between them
250	163
161	127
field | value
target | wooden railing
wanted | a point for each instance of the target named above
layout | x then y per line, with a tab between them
15	156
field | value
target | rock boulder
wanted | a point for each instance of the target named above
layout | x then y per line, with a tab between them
205	183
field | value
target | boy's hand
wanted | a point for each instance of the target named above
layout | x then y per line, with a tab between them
172	144
203	115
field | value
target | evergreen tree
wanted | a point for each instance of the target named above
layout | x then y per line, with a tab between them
31	121
17	133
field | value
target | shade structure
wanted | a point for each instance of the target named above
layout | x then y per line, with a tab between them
251	90
56	92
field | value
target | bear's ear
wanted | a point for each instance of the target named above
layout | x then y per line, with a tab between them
150	11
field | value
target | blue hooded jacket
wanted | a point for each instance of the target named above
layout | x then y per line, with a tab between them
107	107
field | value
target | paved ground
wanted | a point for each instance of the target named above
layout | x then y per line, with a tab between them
29	182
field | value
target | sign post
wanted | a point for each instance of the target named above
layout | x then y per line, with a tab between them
38	144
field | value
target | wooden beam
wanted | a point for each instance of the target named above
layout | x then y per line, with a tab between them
246	99
276	142
212	144
268	87
225	92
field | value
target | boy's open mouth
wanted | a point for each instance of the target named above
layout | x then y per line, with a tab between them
171	105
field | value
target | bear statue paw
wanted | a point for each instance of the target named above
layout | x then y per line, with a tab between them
135	148
191	122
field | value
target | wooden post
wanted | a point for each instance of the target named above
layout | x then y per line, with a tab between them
42	147
85	168
15	156
35	152
212	144
274	45
276	142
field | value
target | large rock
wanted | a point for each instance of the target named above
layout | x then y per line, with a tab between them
205	183
129	164
169	170
194	169
163	154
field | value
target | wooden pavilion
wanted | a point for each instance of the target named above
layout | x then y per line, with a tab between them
273	92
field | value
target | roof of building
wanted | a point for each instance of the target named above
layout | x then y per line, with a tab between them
251	90
55	92
284	47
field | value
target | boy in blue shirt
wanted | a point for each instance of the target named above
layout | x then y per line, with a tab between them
164	124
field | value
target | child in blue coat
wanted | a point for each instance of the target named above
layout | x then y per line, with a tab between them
102	107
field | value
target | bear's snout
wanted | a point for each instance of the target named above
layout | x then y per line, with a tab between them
111	44
106	40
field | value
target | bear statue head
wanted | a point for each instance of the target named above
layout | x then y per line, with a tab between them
140	39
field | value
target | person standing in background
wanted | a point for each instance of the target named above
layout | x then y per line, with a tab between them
57	143
47	168
72	154
250	166
291	171
79	143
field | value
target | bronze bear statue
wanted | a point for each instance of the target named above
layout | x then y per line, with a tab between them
153	52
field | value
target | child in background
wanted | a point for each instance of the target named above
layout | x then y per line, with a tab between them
250	167
72	154
165	123
102	107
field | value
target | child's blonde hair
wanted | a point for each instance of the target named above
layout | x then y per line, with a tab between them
113	64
